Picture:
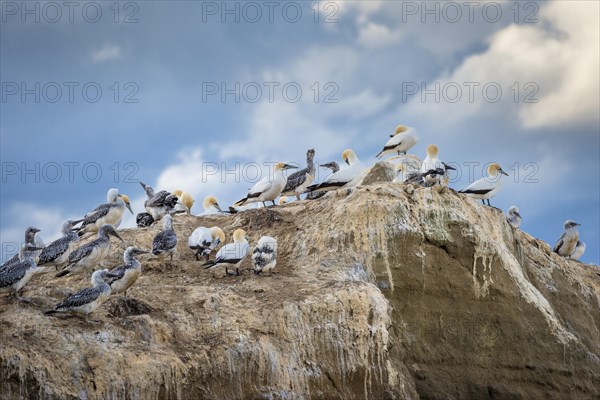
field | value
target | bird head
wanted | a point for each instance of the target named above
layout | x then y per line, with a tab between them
280	166
571	224
217	233
125	199
432	151
495	169
349	156
239	235
399	129
211	201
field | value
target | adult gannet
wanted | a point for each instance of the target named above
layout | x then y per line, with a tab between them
87	300
160	204
298	181
110	213
513	217
344	178
232	254
268	188
431	163
90	253
487	187
30	238
568	241
166	240
282	200
579	250
126	275
211	206
401	173
15	276
186	201
264	256
57	253
144	220
205	240
401	141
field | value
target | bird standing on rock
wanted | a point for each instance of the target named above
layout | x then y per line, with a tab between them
166	240
30	238
231	255
298	181
268	188
15	276
401	141
110	213
344	178
125	275
487	187
264	256
567	243
57	253
205	240
514	217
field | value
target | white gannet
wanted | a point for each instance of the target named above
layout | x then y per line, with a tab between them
317	194
579	250
231	255
90	253
298	181
30	238
205	240
110	213
144	220
126	274
165	241
431	163
57	253
486	187
344	178
264	256
15	277
568	241
211	206
268	188
160	203
513	217
282	200
401	141
186	201
401	173
86	300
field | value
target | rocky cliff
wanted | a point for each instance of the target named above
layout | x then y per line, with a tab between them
390	292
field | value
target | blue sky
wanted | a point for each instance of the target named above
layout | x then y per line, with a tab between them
155	120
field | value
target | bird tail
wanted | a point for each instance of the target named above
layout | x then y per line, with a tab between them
232	210
156	252
208	264
50	312
379	154
312	188
63	273
240	202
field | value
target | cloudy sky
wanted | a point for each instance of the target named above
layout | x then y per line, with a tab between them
204	95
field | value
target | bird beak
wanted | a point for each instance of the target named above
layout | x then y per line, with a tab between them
288	166
143	185
129	208
218	207
576	224
36	230
77	221
502	172
115	234
347	161
392	135
142	252
449	167
35	248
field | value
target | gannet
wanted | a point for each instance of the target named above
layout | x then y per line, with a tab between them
433	177
144	220
186	201
332	165
264	256
231	255
160	204
126	275
513	217
166	240
487	187
57	253
268	188
205	240
431	163
282	200
568	241
110	213
579	250
87	300
401	141
298	181
211	206
30	238
401	173
90	253
15	276
149	192
344	178
317	194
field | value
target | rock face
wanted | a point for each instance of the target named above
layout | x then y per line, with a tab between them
390	292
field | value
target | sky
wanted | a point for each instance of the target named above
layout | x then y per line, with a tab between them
205	96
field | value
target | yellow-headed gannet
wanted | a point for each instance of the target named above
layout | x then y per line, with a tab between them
401	173
211	206
513	217
401	141
186	201
57	253
568	241
282	200
232	254
205	240
298	181
165	241
87	300
144	220
15	276
126	275
90	253
159	204
344	178
264	256
579	250
268	188
30	238
487	187
110	213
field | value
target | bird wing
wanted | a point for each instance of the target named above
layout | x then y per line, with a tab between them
261	186
295	180
232	253
480	186
559	243
119	272
13	273
95	215
165	240
80	298
54	250
199	237
158	199
82	252
13	260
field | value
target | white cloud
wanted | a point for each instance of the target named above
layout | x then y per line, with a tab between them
374	35
107	52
